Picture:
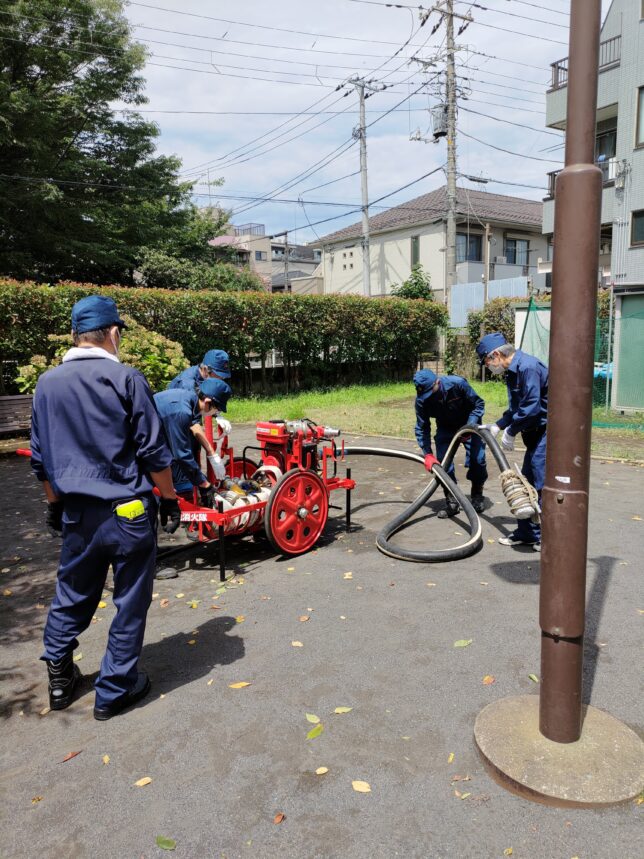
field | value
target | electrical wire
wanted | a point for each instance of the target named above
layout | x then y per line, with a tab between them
508	151
508	121
512	14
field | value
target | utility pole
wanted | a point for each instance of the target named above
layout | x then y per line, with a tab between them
360	133
450	92
286	286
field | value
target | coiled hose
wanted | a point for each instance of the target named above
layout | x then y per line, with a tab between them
439	478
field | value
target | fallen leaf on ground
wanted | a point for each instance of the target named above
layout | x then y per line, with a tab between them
165	843
450	757
240	618
361	786
431	584
489	679
637	518
461	778
315	732
490	540
7	592
343	617
279	817
348	576
219	591
193	603
239	685
312	718
192	641
264	597
508	851
78	657
290	569
465	795
143	781
296	644
463	642
303	618
343	709
164	603
36	799
533	677
210	682
102	604
484	583
70	755
106	759
155	596
44	711
179	596
321	770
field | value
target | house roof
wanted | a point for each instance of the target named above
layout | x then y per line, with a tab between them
433	206
280	279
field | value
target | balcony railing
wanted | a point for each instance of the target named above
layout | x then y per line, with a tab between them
610	53
608	167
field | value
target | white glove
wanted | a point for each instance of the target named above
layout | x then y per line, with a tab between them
494	429
224	425
218	467
507	441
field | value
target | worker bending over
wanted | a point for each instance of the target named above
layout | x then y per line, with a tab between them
98	447
527	382
452	402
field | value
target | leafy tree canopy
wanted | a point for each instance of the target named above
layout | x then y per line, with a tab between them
81	188
417	285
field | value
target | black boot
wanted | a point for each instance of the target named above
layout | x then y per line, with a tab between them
451	509
63	679
478	500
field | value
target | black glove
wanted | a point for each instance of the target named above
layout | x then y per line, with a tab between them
207	496
54	518
169	510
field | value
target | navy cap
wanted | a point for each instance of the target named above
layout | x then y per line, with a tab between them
218	360
425	379
217	391
488	344
94	312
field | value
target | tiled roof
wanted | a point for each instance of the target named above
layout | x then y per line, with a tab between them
433	206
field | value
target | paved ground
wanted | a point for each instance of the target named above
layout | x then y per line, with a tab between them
224	762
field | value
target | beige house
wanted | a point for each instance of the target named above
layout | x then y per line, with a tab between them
415	232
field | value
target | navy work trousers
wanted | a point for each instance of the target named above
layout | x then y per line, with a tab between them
93	538
534	469
474	455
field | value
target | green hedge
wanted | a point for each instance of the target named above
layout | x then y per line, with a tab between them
314	334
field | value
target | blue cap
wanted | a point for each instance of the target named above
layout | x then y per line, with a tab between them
424	381
93	312
218	360
217	391
488	344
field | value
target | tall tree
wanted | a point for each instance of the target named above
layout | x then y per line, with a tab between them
81	189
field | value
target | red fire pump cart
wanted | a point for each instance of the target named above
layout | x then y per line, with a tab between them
287	494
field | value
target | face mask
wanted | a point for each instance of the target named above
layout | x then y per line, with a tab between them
496	369
115	343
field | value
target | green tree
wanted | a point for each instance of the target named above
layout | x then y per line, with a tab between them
81	188
417	285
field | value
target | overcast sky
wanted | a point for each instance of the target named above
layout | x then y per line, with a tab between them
227	84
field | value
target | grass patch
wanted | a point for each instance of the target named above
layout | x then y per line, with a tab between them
388	409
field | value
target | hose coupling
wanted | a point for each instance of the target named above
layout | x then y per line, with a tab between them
521	496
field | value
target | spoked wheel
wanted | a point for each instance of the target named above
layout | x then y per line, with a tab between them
243	467
296	512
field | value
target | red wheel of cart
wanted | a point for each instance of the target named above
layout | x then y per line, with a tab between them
243	467
296	512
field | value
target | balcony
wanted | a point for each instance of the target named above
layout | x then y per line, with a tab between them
609	56
608	167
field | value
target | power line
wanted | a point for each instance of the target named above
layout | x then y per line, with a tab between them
512	14
508	151
485	180
331	182
509	122
520	33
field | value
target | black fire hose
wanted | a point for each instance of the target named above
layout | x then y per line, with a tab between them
439	478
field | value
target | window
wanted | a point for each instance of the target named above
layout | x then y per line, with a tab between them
639	130
415	250
261	256
468	248
637	228
350	265
344	266
516	251
351	254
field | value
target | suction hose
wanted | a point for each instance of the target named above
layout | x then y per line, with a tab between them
439	478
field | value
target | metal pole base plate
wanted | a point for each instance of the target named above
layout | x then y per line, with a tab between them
605	766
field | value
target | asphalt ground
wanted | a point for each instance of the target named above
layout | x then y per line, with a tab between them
223	762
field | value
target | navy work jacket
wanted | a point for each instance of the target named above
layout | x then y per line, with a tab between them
452	406
179	410
527	381
95	430
187	380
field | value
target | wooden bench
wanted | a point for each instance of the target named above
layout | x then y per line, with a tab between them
15	415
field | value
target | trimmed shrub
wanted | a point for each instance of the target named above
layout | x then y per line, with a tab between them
315	334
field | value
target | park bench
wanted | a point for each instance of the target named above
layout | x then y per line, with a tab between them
15	415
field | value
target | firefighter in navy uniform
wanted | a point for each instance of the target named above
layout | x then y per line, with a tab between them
99	448
527	413
452	402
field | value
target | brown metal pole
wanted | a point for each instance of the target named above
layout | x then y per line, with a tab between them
572	342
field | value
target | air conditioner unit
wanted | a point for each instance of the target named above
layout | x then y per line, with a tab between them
501	260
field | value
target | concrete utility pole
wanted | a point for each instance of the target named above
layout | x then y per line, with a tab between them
360	133
286	286
550	746
450	92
